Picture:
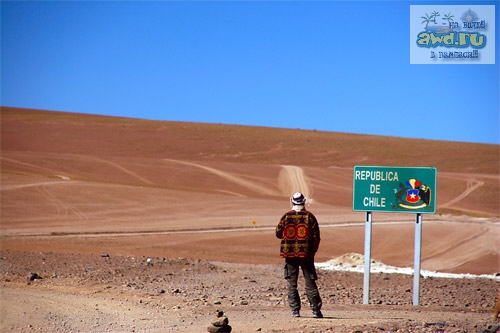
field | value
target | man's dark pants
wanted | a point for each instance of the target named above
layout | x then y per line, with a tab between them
292	274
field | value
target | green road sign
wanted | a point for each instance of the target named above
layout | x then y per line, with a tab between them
394	189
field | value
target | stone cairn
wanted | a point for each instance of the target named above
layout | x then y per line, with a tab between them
220	323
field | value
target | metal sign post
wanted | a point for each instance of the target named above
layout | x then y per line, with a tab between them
368	246
394	189
416	263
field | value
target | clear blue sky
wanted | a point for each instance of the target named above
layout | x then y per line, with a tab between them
327	65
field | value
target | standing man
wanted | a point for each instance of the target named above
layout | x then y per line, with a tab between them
299	233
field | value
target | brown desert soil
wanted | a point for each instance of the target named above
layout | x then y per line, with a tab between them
122	225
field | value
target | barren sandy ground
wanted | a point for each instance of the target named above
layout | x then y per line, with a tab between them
75	188
97	293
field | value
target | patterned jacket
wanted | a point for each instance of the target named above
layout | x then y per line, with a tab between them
299	234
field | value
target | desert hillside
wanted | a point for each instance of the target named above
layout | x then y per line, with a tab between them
84	184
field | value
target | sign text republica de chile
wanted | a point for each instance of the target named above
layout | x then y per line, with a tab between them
394	189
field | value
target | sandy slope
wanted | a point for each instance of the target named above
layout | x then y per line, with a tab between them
58	209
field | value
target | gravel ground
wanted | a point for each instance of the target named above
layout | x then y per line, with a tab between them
52	292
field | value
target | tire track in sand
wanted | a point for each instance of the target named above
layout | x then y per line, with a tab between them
17	187
232	178
125	170
292	179
113	164
471	187
63	207
34	166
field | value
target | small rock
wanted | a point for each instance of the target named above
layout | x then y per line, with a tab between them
34	276
220	324
223	329
220	321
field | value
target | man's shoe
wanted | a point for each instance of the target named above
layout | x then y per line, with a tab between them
296	313
317	314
